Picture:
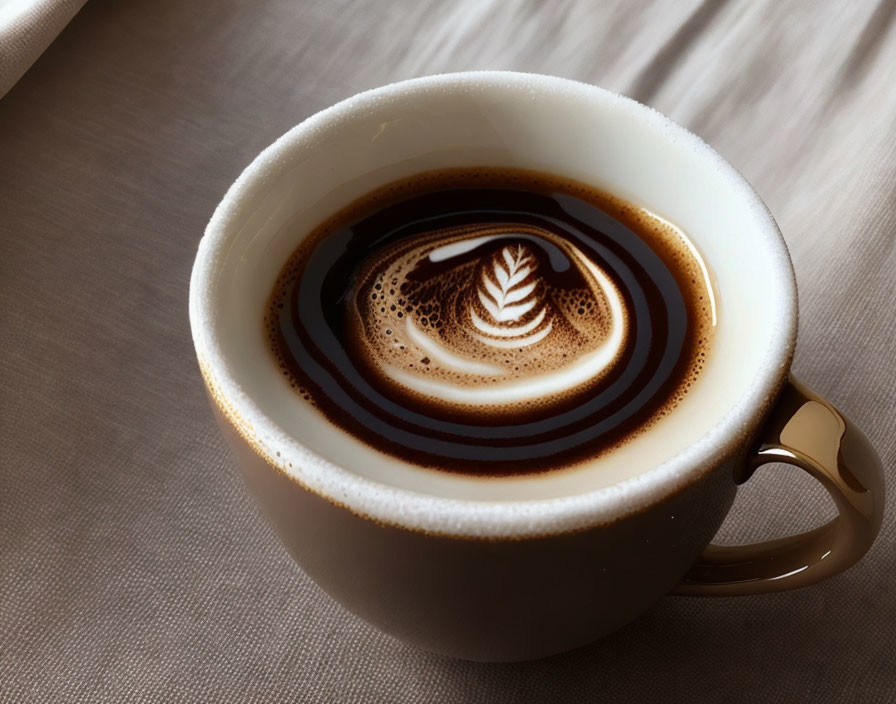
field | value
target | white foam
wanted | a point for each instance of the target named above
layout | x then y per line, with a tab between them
495	331
455	249
517	343
576	374
446	357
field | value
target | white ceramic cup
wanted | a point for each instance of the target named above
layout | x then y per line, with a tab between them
516	568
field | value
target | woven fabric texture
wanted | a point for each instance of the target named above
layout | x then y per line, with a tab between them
27	27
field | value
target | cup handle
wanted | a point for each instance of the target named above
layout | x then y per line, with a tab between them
807	432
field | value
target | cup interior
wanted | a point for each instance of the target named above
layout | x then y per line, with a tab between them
499	120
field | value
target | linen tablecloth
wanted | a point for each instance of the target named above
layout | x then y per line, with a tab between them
27	27
133	564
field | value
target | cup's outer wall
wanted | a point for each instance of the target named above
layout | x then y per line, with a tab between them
496	599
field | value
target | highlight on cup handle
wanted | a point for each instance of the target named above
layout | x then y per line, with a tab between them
805	431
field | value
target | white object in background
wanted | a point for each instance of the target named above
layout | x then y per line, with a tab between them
27	27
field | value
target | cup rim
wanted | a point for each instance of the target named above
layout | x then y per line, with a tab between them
464	517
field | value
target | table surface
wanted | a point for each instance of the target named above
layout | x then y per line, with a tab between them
134	565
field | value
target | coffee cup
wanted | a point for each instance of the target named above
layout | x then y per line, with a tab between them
519	567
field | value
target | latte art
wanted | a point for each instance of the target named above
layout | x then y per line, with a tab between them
479	316
493	322
509	289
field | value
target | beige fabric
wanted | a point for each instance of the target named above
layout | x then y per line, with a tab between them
133	566
26	28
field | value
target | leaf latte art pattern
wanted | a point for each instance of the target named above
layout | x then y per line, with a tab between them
502	315
509	293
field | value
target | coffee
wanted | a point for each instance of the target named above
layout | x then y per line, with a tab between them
492	321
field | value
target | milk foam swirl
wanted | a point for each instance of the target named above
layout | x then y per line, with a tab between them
475	316
496	322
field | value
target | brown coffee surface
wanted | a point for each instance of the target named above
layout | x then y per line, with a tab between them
492	322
